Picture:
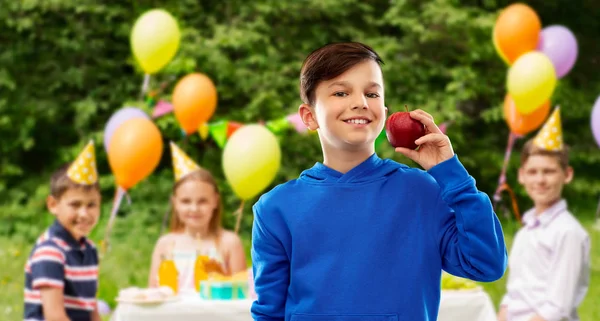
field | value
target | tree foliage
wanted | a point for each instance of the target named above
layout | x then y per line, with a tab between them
66	66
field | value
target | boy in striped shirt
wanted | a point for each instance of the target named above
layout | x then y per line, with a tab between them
61	274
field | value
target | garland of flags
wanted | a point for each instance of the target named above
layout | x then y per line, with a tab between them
221	130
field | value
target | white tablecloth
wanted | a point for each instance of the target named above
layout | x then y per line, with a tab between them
454	306
466	306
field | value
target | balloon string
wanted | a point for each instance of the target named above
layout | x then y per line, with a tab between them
239	212
513	199
165	219
145	85
502	179
119	194
598	211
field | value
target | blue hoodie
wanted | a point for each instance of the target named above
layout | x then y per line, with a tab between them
371	244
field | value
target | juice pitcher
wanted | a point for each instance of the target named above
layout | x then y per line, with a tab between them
200	272
167	273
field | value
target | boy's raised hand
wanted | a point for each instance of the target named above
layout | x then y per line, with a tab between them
434	147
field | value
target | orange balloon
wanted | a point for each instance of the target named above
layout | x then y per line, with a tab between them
523	124
194	101
135	150
517	31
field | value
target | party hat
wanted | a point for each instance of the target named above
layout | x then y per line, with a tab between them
83	169
182	163
550	136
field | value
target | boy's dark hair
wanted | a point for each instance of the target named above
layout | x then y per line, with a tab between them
60	183
329	62
530	149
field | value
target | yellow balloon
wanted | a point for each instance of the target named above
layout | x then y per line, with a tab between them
531	81
251	159
155	40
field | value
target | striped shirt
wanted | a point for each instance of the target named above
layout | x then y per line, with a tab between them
58	260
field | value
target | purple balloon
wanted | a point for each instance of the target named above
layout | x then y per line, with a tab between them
118	118
103	308
596	121
560	45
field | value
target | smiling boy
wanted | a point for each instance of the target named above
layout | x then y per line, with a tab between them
61	274
358	237
550	257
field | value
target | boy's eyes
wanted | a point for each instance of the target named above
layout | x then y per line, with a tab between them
188	201
343	94
79	204
544	171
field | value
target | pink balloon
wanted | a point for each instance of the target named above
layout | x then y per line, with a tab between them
560	45
596	121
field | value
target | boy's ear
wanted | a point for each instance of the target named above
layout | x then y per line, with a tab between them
569	172
52	204
307	114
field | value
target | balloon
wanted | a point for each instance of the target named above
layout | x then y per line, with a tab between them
560	45
251	160
531	81
194	101
119	117
103	308
523	124
155	39
517	31
596	121
499	51
135	150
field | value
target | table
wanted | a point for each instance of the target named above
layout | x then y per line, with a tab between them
466	306
454	306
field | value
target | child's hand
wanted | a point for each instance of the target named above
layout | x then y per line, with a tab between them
434	147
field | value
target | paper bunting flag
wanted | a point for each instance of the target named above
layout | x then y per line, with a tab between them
203	131
83	169
550	136
380	139
182	163
278	126
232	127
296	121
161	108
218	131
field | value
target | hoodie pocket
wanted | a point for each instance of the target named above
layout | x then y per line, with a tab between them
344	317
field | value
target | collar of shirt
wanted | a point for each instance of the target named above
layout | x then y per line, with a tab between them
531	220
57	230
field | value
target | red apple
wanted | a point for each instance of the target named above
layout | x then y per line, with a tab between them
402	131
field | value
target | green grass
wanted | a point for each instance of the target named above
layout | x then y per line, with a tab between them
128	261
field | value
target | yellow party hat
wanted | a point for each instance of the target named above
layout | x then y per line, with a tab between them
550	136
83	169
182	163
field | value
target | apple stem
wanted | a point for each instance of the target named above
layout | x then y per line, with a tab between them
405	106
